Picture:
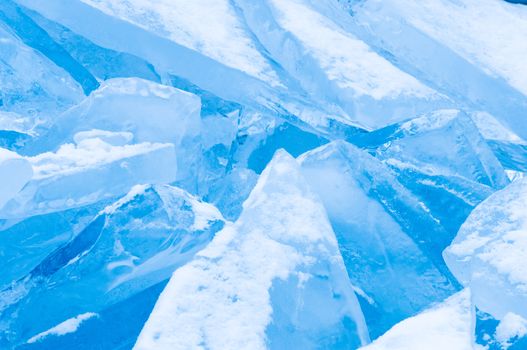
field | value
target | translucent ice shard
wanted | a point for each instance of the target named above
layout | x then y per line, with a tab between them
30	83
442	158
15	172
275	278
130	246
134	105
448	325
389	241
490	249
89	171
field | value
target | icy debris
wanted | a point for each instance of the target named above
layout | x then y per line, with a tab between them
15	172
448	325
490	251
274	277
68	326
92	170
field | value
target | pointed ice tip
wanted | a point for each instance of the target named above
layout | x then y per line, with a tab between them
282	155
282	173
337	146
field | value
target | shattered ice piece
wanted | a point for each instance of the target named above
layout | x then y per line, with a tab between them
430	142
133	244
490	250
69	326
448	325
31	84
390	243
345	59
511	326
84	173
273	277
15	172
132	105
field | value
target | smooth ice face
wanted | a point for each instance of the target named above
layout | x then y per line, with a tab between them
89	171
224	38
240	292
442	158
15	172
472	50
388	239
130	246
448	325
476	30
490	249
133	105
333	64
31	84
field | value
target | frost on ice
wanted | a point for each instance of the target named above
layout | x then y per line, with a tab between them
274	278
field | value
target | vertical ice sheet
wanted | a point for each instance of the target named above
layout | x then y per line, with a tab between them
275	278
388	240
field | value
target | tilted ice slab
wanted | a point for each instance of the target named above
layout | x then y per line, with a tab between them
89	171
15	172
449	325
471	50
490	251
188	68
151	111
131	245
332	62
224	37
490	34
273	278
442	158
29	82
388	239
